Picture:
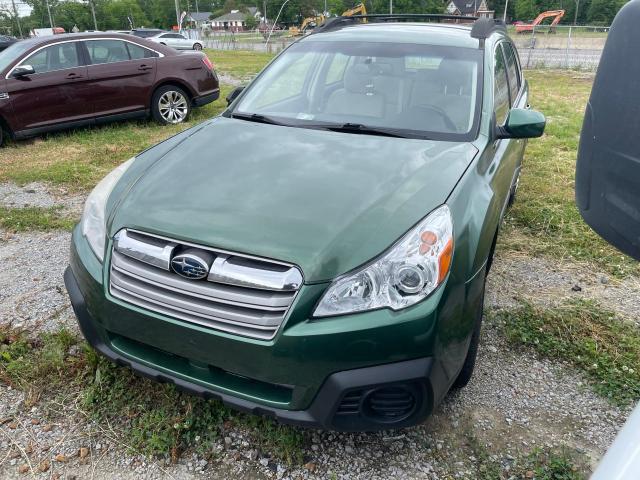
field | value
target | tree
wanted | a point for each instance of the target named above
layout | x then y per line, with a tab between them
250	22
526	10
601	12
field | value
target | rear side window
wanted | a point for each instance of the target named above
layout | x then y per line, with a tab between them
55	57
513	71
107	51
137	52
500	88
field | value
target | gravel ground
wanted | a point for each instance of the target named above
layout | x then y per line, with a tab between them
514	401
40	195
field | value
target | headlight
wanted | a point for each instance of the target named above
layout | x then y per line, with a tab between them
406	274
93	222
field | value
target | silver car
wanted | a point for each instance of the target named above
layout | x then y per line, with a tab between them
177	41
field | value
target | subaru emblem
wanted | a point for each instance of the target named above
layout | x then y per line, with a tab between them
192	264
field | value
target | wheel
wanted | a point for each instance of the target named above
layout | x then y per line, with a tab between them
470	360
197	46
170	105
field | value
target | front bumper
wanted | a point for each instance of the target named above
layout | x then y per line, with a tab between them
307	374
321	413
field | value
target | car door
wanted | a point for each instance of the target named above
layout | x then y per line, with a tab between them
121	74
507	152
183	42
58	91
170	39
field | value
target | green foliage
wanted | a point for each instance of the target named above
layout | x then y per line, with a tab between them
596	341
34	218
158	420
601	12
36	365
590	12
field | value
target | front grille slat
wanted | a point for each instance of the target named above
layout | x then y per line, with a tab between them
243	297
246	311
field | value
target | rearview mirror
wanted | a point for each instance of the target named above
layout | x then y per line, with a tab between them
234	94
22	71
608	166
522	123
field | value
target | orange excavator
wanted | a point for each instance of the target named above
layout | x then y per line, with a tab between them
528	27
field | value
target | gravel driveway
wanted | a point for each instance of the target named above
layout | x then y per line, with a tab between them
513	403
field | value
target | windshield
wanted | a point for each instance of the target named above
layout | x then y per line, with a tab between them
413	90
12	52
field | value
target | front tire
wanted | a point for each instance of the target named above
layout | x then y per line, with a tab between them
469	364
197	47
170	105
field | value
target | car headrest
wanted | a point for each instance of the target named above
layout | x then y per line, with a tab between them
455	74
358	79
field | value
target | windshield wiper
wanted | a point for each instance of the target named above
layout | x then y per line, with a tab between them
363	129
255	117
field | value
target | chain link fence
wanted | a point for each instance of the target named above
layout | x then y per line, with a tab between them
565	47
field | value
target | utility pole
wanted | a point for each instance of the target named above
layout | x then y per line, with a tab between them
15	12
49	12
178	14
93	14
504	16
197	9
390	7
264	13
575	17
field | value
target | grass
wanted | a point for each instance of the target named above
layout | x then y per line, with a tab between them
540	464
544	219
593	339
238	63
34	218
153	418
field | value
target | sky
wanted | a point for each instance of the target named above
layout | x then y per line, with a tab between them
23	8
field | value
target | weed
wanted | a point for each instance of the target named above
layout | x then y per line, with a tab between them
34	218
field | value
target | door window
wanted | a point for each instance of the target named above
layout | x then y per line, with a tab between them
137	52
513	71
107	51
500	88
55	57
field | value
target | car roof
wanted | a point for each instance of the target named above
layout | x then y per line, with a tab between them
444	34
38	41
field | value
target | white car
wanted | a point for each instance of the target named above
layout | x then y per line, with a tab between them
177	41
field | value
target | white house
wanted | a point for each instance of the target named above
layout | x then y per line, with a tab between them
235	20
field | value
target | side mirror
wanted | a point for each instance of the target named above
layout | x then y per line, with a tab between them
522	123
22	71
234	94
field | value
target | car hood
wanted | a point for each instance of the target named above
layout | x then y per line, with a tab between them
325	201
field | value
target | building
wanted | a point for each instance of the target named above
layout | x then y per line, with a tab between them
235	20
474	8
197	19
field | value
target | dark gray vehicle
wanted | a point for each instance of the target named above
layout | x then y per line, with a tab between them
608	184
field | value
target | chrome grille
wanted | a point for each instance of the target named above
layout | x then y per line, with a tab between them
241	295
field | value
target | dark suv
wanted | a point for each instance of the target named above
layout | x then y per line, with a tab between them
325	264
62	81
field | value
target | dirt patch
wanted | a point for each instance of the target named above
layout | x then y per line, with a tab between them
549	283
41	195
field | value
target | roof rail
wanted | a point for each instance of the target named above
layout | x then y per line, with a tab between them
481	29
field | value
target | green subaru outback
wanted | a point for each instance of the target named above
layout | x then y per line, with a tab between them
318	252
